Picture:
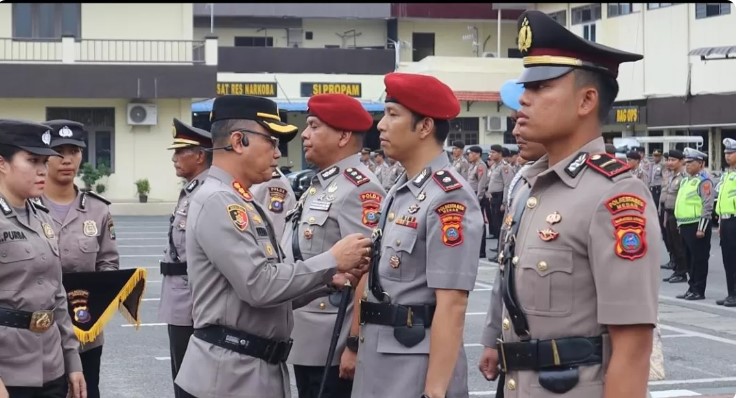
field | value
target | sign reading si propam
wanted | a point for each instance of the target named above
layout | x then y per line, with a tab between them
310	89
259	89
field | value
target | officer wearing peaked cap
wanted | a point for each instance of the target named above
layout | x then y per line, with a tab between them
693	211
39	349
242	289
191	162
585	305
726	211
343	198
425	250
83	226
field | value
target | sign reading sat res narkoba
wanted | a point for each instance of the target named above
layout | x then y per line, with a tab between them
259	89
310	89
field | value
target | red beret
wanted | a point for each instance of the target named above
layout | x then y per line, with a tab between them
340	112
422	94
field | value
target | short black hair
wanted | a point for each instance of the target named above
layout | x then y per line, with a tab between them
606	86
442	127
8	151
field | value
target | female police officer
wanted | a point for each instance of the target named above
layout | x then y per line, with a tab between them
37	343
83	225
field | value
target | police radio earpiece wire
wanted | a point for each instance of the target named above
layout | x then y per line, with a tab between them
244	141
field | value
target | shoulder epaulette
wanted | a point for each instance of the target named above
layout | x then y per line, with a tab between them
355	176
192	185
607	165
99	197
275	174
446	180
36	203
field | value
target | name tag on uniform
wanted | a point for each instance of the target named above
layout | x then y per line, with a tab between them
320	205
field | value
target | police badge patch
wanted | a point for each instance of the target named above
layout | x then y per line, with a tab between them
371	203
629	233
111	229
451	222
277	196
238	215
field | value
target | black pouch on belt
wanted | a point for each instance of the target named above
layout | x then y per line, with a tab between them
558	381
410	336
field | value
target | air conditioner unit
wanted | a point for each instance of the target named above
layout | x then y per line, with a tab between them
488	55
142	114
496	123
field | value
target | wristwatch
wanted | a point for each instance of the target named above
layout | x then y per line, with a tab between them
352	343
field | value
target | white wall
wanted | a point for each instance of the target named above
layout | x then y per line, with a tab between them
140	151
142	21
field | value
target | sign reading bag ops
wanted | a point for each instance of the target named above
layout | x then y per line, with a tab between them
310	89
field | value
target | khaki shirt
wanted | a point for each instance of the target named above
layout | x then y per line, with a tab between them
641	175
477	178
277	196
30	280
385	174
175	306
576	272
501	175
670	193
86	240
239	281
343	199
461	165
657	173
430	241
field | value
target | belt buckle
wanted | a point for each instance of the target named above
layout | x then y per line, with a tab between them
41	321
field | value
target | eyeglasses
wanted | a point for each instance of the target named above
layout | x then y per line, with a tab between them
274	140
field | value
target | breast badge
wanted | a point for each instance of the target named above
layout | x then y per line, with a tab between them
48	231
629	233
451	222
547	234
89	228
239	217
553	218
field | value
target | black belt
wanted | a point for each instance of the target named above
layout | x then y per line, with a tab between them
271	351
396	314
542	354
38	321
170	269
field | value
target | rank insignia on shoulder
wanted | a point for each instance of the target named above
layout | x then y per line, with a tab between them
451	222
370	204
275	174
276	199
98	197
355	176
330	172
239	217
4	207
242	191
629	234
575	167
446	181
36	203
192	185
607	164
422	177
624	202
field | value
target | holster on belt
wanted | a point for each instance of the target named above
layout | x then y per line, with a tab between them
409	321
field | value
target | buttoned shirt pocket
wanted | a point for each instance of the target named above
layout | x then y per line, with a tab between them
13	252
388	344
314	232
545	282
396	256
178	282
89	245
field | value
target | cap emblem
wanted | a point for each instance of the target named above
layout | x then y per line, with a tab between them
524	38
65	132
46	137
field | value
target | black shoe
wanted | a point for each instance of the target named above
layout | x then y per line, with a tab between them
684	295
667	278
677	279
729	301
695	296
721	302
667	266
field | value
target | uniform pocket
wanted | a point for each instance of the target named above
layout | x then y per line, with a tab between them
89	245
315	228
396	256
545	285
12	252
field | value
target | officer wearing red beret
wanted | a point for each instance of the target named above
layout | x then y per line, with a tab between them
344	198
414	299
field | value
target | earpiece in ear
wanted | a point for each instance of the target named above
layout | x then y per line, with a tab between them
244	140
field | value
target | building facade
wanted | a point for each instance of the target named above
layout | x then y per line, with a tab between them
114	67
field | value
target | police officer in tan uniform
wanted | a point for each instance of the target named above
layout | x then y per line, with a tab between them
191	162
344	198
413	304
634	160
459	162
83	226
477	178
580	284
277	196
500	175
673	236
38	348
366	159
242	289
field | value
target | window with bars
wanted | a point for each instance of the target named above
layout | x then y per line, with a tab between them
583	14
706	10
465	129
46	20
655	6
617	9
589	32
559	17
100	126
